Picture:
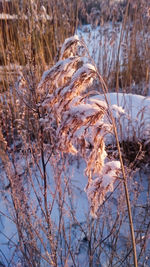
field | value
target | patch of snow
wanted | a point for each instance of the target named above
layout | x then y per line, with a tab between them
132	114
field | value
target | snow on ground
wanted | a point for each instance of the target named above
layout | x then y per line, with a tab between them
102	43
134	123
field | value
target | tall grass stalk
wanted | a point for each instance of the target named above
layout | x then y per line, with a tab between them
119	46
105	91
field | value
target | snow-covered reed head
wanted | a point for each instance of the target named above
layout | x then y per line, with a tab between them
78	120
70	47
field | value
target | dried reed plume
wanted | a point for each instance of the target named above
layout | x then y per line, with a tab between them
78	123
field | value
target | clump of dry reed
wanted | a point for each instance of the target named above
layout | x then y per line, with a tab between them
31	35
78	121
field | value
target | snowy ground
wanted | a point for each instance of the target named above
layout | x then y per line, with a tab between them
134	120
103	43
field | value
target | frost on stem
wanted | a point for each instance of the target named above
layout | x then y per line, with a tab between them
77	123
